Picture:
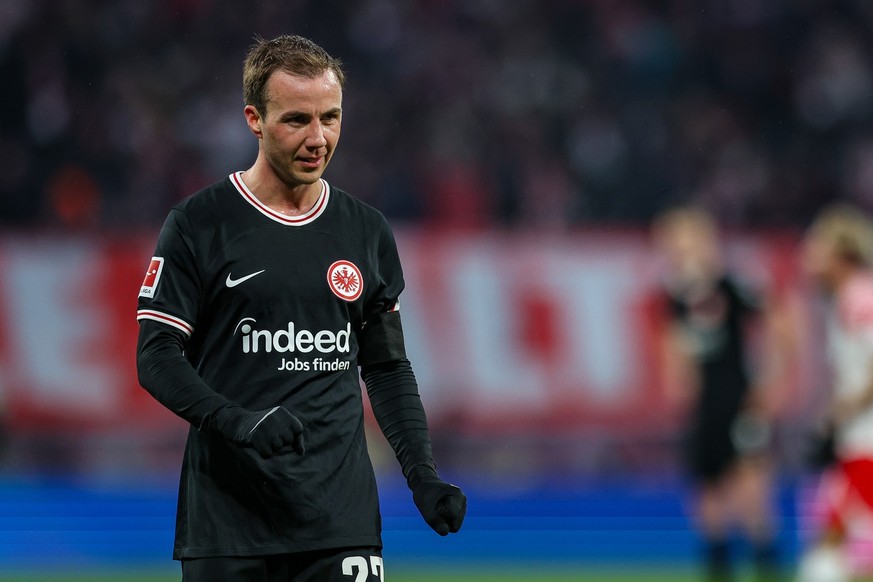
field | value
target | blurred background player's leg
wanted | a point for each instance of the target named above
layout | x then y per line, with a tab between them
826	560
713	514
738	495
752	489
709	459
753	504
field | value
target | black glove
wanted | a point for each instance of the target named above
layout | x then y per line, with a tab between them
269	432
443	506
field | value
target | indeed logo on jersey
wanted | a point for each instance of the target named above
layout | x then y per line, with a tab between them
292	339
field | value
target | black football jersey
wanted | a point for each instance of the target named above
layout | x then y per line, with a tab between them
713	322
275	310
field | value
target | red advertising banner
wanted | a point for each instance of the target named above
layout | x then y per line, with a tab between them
505	331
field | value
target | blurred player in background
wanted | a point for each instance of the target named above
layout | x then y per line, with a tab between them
706	357
839	255
267	290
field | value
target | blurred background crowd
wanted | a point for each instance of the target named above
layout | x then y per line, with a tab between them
458	113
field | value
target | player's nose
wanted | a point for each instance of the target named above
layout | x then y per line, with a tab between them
315	136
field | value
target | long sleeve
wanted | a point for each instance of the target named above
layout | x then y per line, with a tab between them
397	406
167	375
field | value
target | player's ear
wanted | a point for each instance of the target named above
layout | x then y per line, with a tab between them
253	119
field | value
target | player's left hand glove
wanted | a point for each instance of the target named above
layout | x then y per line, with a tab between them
442	505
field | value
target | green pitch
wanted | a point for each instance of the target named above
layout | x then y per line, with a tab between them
528	574
400	574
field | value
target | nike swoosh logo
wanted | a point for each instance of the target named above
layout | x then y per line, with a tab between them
230	282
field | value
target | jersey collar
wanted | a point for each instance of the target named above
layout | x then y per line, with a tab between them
313	213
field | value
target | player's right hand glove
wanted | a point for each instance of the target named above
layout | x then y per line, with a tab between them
442	505
269	432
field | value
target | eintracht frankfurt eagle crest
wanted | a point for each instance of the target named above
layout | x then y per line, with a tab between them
345	280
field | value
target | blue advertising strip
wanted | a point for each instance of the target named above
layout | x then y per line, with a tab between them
57	523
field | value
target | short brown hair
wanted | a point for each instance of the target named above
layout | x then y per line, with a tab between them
291	53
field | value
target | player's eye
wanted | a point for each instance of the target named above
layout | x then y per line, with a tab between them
296	119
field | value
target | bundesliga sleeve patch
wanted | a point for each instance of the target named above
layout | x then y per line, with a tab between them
152	277
345	280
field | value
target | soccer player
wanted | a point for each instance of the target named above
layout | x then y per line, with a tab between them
839	256
705	351
267	291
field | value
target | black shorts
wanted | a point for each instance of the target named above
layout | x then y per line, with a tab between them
709	449
339	565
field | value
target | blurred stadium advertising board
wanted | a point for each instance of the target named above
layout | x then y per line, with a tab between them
506	331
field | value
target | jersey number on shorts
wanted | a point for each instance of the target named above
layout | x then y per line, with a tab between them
358	567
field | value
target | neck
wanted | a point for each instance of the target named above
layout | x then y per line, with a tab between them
286	198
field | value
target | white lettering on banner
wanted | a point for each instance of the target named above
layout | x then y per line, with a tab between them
59	326
500	329
593	351
496	364
596	296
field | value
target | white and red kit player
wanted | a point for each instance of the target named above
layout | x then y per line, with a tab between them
839	251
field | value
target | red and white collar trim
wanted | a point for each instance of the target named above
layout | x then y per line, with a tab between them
310	215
